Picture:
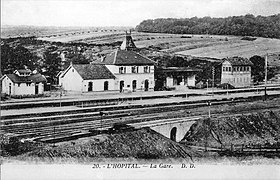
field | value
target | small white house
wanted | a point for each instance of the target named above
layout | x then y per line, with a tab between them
86	78
236	71
23	82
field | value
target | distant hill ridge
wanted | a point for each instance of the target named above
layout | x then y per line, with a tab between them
248	25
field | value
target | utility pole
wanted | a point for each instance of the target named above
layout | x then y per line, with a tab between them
213	79
207	85
227	89
209	109
54	136
265	78
101	115
206	122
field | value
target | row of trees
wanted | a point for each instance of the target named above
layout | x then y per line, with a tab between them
247	25
49	64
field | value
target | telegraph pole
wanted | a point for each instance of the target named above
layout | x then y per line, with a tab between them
265	78
101	115
206	122
213	79
207	85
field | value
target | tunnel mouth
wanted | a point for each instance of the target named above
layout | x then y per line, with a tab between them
173	133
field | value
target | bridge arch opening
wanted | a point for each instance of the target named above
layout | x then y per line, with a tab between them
173	133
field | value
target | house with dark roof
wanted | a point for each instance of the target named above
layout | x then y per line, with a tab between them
23	82
87	77
132	70
236	71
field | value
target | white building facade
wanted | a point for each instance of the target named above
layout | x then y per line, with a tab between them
122	70
23	82
87	78
133	72
236	71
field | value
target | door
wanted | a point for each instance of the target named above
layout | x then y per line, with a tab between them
173	134
134	83
106	85
36	88
146	85
121	86
10	89
90	85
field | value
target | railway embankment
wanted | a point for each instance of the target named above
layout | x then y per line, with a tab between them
142	143
255	133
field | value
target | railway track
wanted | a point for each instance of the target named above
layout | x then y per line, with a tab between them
65	124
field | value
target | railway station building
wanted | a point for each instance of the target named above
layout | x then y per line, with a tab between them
23	82
87	78
122	70
236	71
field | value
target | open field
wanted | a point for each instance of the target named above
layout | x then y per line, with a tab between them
215	46
196	45
52	33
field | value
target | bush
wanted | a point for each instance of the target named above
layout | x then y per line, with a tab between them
12	146
248	38
29	96
186	37
4	96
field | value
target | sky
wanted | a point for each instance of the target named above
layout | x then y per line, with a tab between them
124	12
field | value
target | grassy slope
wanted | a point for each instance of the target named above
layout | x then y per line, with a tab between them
197	45
249	130
214	46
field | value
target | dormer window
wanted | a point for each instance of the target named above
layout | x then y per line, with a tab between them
146	69
122	70
134	69
23	72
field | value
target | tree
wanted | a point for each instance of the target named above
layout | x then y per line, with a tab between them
18	57
258	71
247	25
52	64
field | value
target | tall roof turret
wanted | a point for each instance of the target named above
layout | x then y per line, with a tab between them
128	43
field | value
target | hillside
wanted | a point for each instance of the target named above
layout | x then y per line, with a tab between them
248	130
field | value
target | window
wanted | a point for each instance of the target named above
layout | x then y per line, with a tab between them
134	69
18	84
234	68
28	84
122	70
72	70
224	68
229	68
146	69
